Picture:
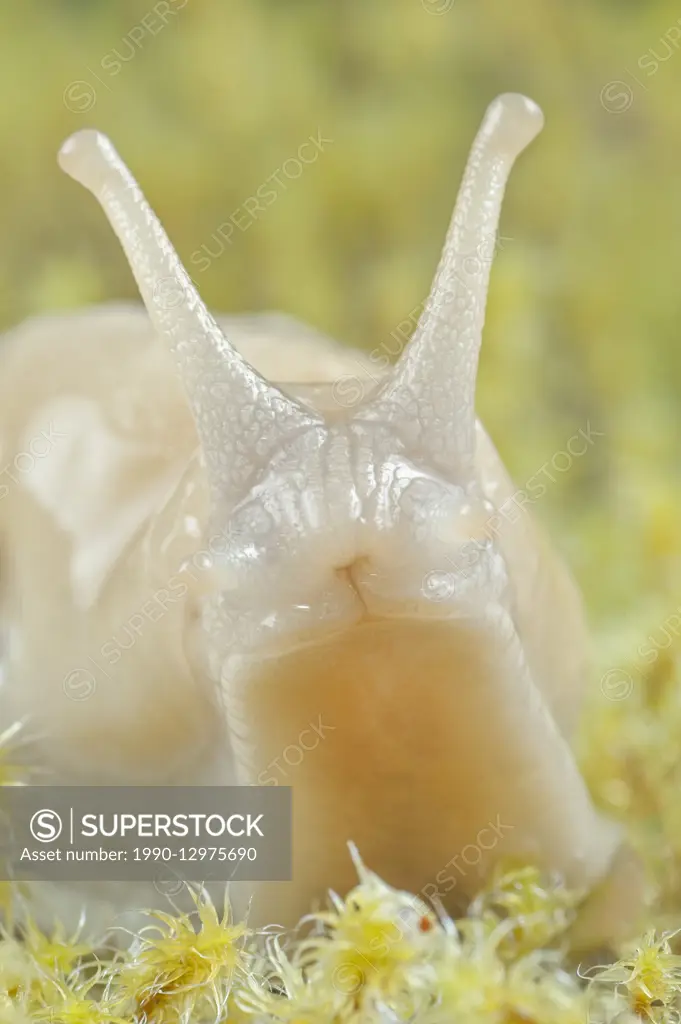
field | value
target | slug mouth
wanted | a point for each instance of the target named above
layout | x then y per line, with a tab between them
343	573
350	576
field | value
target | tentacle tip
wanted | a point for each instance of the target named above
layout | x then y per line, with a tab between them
84	156
514	121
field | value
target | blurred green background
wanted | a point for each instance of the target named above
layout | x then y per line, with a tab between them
206	100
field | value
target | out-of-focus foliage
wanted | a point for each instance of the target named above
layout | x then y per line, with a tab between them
207	100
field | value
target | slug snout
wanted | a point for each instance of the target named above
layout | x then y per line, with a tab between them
342	525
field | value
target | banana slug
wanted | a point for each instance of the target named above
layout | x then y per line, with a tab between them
210	552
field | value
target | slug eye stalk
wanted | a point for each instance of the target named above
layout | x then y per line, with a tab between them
240	417
435	377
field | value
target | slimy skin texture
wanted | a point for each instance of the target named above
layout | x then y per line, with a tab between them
316	563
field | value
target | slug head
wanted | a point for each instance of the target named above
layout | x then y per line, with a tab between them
323	514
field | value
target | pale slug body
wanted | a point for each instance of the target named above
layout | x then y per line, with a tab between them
192	586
